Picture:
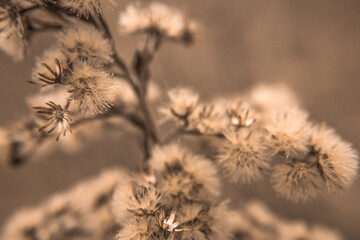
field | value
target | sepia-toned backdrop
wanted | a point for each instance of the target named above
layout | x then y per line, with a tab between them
311	45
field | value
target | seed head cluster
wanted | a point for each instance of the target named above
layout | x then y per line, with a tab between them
258	134
88	89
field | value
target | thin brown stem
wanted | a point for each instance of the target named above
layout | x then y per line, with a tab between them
118	61
29	9
150	132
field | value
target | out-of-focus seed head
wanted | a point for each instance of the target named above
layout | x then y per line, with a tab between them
158	19
86	8
85	42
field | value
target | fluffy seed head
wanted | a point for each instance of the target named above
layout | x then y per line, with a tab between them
159	19
209	118
295	181
288	132
85	42
86	8
337	161
90	89
183	102
133	198
241	114
182	174
243	156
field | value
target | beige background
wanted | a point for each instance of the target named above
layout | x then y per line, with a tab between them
312	45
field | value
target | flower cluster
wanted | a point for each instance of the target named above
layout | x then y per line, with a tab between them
86	88
257	129
158	19
175	199
142	212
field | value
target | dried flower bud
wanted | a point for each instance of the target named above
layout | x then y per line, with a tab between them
51	68
56	117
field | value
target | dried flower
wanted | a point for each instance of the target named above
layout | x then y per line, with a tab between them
209	118
182	174
296	181
243	155
289	132
241	114
56	117
51	68
211	222
183	102
336	159
86	7
90	89
159	19
168	224
85	42
135	196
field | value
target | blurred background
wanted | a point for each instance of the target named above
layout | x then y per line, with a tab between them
312	46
